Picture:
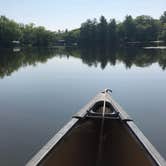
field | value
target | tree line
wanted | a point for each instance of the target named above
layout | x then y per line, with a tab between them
92	32
141	29
27	34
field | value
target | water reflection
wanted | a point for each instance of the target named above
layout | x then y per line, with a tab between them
129	56
36	102
11	61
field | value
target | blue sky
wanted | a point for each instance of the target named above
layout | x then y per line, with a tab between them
62	14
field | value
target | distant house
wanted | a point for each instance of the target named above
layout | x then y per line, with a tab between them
61	43
16	45
16	42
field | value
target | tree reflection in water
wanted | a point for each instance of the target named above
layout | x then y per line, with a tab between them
93	56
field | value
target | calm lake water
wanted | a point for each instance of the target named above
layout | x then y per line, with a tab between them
40	89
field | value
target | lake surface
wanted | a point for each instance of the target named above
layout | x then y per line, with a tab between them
40	89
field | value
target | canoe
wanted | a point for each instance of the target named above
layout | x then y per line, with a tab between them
100	134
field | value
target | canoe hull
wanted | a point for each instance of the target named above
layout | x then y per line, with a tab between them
79	142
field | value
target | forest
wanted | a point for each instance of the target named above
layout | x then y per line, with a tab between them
92	32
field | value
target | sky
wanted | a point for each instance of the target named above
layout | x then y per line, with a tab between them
69	14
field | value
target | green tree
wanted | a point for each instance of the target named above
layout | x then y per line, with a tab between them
88	32
163	18
163	33
147	28
102	31
28	34
72	37
129	29
163	27
112	32
9	31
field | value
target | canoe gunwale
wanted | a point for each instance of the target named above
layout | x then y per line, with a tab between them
150	149
42	154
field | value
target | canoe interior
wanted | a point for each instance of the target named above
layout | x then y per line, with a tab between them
84	145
